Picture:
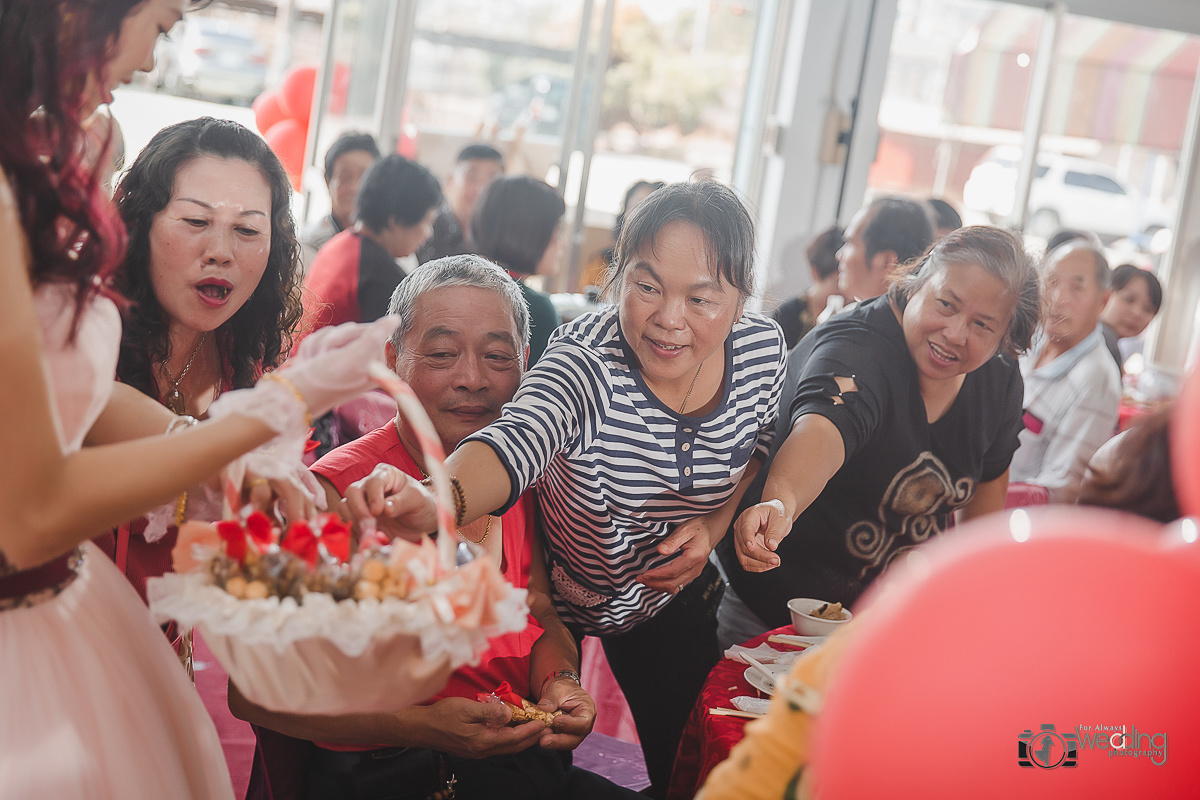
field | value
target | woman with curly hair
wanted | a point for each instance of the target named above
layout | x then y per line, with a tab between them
211	270
211	279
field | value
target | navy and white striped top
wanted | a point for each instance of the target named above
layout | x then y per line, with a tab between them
616	469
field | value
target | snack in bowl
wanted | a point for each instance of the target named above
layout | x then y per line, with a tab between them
829	611
808	622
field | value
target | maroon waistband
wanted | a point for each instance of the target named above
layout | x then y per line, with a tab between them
37	579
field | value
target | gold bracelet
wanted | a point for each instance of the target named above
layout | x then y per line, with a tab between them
291	387
180	509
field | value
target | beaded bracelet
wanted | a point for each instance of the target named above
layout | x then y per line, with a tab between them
460	499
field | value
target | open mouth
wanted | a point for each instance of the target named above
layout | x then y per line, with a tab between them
941	355
214	291
666	347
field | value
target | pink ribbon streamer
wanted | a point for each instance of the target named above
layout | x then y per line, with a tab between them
435	457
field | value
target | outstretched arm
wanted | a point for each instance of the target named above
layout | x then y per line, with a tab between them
812	453
54	501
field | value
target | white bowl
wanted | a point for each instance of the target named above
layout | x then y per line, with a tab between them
808	625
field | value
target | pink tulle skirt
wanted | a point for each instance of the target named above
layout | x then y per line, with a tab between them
95	704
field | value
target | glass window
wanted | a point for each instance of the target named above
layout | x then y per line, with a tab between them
498	70
953	103
1115	118
672	107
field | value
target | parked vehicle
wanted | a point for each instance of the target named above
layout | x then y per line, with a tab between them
214	59
1067	192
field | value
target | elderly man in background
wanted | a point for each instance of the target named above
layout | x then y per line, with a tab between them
1072	385
461	344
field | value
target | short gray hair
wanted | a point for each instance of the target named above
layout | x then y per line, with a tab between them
1002	255
1103	271
463	270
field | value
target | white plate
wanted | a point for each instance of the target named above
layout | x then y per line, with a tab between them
760	682
791	638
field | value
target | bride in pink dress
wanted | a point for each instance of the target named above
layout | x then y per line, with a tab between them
93	702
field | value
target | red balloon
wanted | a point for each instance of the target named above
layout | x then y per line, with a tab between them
1065	617
267	111
288	138
296	92
1185	445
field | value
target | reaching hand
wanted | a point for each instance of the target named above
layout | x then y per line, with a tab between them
392	501
579	714
758	532
330	365
295	497
469	729
693	541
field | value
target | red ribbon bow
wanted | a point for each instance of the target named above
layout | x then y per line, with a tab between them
234	536
504	692
260	530
302	540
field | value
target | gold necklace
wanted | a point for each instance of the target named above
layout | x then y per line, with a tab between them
691	388
486	529
174	399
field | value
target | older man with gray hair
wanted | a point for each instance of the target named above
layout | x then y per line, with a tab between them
461	344
1072	385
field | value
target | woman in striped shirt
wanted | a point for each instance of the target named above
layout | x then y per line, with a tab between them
641	426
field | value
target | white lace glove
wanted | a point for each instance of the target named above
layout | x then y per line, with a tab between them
330	366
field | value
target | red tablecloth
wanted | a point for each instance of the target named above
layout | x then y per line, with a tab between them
707	739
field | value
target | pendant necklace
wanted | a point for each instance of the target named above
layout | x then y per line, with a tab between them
174	399
691	388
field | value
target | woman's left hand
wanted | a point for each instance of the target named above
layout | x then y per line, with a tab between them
693	540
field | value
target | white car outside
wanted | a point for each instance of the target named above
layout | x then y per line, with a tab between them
1067	192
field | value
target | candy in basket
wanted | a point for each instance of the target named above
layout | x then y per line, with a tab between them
302	627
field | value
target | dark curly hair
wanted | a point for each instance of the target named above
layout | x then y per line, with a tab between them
259	334
50	49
